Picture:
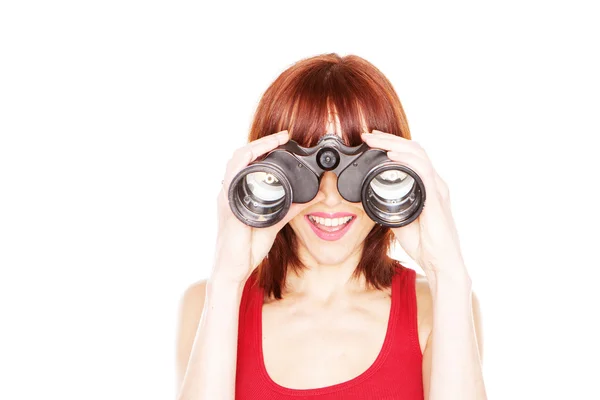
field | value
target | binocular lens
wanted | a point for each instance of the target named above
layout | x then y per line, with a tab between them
392	184
263	187
259	197
393	196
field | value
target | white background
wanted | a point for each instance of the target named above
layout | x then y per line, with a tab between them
117	119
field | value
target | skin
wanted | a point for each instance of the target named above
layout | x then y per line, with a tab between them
305	325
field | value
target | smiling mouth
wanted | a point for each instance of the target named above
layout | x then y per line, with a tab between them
330	224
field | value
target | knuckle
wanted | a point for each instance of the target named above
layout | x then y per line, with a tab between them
418	148
431	176
422	152
443	188
445	193
243	153
240	151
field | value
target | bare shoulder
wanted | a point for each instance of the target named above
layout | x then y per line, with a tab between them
192	302
425	313
193	293
190	312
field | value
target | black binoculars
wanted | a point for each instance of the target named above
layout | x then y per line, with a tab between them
392	194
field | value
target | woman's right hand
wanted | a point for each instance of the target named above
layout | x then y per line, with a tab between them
240	248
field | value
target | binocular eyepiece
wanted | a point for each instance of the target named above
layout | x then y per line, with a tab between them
261	194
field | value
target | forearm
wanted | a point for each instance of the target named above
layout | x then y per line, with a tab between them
212	365
456	372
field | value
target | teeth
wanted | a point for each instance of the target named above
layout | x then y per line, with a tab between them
329	221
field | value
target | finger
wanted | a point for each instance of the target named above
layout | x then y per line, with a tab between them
375	132
394	143
259	147
422	167
378	132
250	152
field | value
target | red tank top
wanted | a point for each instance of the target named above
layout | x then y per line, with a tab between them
395	375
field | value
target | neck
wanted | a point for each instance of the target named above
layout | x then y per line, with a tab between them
322	280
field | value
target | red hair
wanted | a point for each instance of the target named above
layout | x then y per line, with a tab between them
302	100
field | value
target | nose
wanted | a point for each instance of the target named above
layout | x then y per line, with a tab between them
328	189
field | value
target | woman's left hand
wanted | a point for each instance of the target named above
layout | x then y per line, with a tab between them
431	240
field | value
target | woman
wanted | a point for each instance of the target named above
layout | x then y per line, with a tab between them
288	313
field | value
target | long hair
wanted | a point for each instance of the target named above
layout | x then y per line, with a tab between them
302	100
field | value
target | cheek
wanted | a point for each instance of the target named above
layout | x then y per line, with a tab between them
366	224
296	223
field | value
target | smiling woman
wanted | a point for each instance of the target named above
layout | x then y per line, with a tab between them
320	95
312	306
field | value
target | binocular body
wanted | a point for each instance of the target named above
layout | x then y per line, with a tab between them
261	194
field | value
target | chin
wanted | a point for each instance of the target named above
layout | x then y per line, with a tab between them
329	256
326	252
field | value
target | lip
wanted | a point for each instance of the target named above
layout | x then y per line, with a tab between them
334	215
330	236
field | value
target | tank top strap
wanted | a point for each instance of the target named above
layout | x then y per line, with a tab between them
247	294
250	309
405	334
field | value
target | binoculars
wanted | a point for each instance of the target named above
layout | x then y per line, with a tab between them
261	194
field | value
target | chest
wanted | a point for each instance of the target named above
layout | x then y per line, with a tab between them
309	347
